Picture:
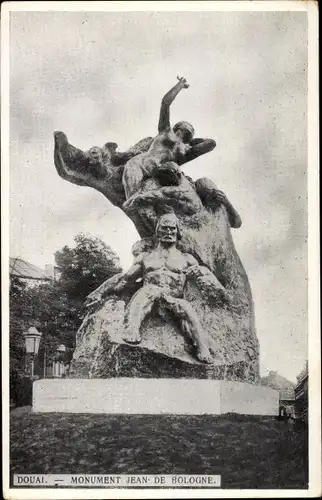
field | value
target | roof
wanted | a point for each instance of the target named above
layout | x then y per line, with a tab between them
23	269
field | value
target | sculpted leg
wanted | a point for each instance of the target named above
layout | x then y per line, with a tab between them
191	326
138	308
138	168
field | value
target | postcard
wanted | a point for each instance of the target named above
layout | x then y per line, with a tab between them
160	250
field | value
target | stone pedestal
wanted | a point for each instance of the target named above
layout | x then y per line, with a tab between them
153	396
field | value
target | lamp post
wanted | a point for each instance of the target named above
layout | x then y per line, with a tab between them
32	340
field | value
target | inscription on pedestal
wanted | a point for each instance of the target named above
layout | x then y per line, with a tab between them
150	396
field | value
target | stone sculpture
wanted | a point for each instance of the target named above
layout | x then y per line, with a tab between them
146	182
170	145
164	270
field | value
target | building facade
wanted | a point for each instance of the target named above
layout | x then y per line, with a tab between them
301	393
28	273
287	403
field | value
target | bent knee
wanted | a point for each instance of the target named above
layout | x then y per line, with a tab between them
179	306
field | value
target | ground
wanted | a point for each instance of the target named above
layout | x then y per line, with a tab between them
248	451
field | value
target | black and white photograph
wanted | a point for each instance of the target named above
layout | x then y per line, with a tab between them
160	250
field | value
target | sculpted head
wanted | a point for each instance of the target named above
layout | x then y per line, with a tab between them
168	229
95	155
184	130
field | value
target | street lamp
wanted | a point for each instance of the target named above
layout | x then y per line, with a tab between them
32	340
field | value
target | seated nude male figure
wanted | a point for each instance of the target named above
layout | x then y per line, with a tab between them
163	271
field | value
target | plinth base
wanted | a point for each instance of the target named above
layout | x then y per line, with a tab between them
153	396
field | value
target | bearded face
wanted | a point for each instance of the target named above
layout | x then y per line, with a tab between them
167	230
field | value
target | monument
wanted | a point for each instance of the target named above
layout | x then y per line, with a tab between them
183	313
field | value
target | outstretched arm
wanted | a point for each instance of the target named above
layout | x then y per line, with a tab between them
115	284
198	147
131	275
208	282
164	120
120	158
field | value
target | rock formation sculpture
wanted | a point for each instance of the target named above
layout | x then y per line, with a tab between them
146	182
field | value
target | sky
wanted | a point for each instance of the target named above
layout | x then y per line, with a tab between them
100	76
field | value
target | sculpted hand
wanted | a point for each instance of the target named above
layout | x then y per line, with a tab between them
198	272
220	196
183	81
204	277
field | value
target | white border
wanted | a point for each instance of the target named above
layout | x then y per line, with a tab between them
163	6
313	245
314	311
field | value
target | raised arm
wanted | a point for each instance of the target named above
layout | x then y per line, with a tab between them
164	120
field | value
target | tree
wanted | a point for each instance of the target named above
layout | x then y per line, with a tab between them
20	313
56	308
20	307
59	304
85	267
